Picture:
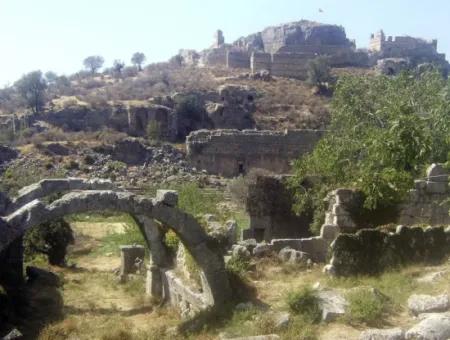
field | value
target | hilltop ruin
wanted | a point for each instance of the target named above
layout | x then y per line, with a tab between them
285	50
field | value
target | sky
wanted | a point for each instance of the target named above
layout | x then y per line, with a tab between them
57	35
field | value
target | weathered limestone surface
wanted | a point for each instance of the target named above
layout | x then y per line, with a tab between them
353	253
428	201
35	212
383	334
235	109
50	186
418	304
431	327
233	152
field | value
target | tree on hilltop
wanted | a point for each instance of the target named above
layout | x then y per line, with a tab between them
138	59
32	87
93	63
118	66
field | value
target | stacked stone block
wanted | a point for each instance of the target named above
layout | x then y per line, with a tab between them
428	202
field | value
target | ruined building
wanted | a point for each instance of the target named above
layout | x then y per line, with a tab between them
284	50
405	50
233	152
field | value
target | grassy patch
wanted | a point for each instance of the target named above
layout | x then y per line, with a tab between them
365	307
305	303
396	285
111	243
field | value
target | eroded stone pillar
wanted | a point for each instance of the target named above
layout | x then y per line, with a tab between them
131	257
154	283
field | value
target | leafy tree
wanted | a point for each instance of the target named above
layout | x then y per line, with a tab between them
118	66
384	132
318	73
51	77
138	59
50	239
32	87
93	63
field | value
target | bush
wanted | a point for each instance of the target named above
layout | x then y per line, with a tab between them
384	132
50	239
318	73
306	303
154	131
365	306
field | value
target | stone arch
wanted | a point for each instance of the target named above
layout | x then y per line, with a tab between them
145	210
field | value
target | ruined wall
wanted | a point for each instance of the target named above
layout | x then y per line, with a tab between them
238	59
269	205
428	202
233	152
372	251
260	61
140	117
416	49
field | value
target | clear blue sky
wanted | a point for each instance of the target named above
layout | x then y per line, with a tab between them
58	34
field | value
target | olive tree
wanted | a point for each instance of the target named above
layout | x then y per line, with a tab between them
32	88
138	59
93	63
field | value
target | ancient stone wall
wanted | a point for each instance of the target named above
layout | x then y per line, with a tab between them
238	59
417	50
371	251
429	201
269	205
233	152
260	61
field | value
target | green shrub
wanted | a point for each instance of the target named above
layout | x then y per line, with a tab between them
154	131
50	239
306	303
384	132
238	265
365	307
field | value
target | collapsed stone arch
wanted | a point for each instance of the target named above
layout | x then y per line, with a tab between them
144	210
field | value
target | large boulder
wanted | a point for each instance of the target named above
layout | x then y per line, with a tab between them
431	327
419	304
383	334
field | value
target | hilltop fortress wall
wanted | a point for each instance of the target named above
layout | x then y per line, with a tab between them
285	50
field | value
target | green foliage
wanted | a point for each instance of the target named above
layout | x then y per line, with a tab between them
18	176
154	131
189	107
197	202
50	239
171	241
384	132
93	63
32	88
306	303
365	307
238	265
318	72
